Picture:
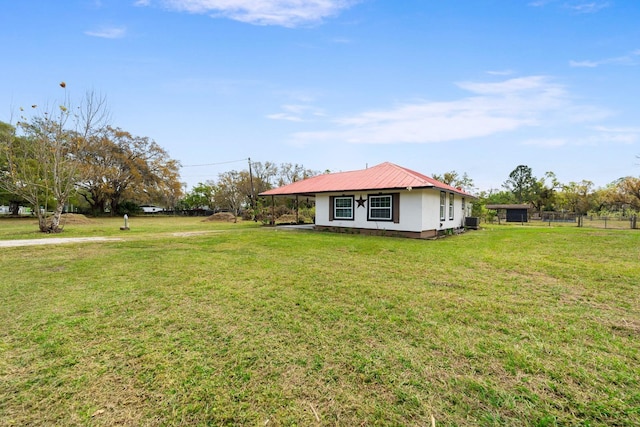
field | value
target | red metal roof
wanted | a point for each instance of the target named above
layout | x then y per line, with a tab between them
385	176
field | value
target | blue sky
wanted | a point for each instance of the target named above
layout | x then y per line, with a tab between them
476	86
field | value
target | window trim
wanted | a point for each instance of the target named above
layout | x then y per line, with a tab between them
451	205
334	208
390	208
443	201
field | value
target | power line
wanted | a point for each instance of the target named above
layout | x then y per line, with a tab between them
215	164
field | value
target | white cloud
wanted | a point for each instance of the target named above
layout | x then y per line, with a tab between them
296	113
591	7
108	32
616	129
584	64
546	142
540	3
616	134
341	40
628	59
597	135
576	6
286	13
500	72
515	86
491	108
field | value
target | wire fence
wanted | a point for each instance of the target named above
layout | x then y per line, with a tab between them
597	221
574	220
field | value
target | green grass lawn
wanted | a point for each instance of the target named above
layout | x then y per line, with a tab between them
184	322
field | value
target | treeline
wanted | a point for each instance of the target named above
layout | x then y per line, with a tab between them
71	155
547	194
237	191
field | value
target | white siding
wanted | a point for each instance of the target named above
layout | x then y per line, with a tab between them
151	209
419	211
431	211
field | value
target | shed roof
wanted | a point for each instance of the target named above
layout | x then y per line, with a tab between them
385	176
507	206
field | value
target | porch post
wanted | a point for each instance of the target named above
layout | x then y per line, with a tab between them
273	211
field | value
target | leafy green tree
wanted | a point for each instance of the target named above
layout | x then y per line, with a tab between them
543	192
622	194
490	197
121	167
496	197
577	197
522	184
630	188
201	196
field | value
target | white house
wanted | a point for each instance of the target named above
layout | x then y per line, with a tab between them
151	209
22	210
383	199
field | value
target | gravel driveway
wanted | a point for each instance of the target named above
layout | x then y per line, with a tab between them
53	241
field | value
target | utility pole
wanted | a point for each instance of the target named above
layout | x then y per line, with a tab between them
251	182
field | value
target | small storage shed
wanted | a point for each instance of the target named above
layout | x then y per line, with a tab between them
513	213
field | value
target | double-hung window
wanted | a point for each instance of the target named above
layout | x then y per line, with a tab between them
443	197
343	208
381	208
450	205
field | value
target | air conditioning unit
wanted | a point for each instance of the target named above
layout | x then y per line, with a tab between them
472	222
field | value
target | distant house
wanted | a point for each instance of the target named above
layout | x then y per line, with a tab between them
383	199
22	210
151	209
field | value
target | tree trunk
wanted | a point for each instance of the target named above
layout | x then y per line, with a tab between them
14	208
52	226
55	219
42	219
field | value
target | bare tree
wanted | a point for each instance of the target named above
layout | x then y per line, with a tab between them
231	191
42	162
289	173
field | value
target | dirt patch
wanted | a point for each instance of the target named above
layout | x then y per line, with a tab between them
53	241
220	216
74	219
195	233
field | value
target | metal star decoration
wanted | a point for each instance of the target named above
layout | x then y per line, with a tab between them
361	201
